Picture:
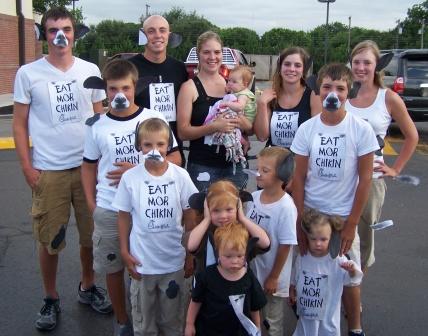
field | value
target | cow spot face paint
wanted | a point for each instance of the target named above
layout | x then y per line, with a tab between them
154	155
120	102
60	39
331	103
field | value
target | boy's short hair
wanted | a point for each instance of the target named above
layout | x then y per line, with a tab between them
245	72
279	153
56	13
222	193
120	69
234	236
336	71
152	125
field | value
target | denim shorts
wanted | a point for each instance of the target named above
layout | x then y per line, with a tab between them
240	178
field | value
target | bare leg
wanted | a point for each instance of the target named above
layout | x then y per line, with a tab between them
116	291
86	259
48	267
352	303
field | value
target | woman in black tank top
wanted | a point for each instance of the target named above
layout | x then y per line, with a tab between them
282	108
206	163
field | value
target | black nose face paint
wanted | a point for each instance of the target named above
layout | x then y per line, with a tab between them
331	103
60	39
153	155
120	102
172	290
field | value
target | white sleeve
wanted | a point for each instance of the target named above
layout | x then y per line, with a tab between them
187	189
286	226
123	197
368	143
21	89
300	144
295	269
91	150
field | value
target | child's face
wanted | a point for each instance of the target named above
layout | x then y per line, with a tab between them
319	240
235	82
292	68
223	215
268	178
124	85
231	259
340	87
154	140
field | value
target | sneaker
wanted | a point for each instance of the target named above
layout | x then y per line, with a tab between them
353	333
48	314
124	329
96	298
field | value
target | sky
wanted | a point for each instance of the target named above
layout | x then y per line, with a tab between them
259	15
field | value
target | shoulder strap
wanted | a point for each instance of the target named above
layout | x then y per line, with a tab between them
200	87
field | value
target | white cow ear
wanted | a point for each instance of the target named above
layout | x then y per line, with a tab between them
142	38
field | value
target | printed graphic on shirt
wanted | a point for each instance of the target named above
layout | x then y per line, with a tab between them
159	210
122	148
283	127
64	102
162	99
259	218
329	152
312	295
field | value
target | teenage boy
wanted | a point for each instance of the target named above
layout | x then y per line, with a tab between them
334	158
51	105
167	73
109	140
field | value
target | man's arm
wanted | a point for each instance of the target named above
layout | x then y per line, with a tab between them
365	169
22	143
98	107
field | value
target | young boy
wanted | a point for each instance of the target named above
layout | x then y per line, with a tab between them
274	210
109	144
334	159
156	195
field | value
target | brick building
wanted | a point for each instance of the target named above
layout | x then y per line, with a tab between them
18	43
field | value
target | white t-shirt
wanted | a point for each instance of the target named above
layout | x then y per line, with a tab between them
319	284
59	107
377	116
333	152
156	204
109	140
278	219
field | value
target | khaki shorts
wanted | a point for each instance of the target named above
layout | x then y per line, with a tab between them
107	258
53	196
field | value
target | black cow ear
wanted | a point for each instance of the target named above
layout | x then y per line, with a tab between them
384	60
354	90
250	252
40	32
196	201
286	168
81	30
334	244
94	82
245	196
309	64
311	82
174	40
144	82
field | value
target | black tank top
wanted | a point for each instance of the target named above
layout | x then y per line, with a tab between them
199	152
284	122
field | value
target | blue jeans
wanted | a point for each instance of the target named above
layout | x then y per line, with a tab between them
216	173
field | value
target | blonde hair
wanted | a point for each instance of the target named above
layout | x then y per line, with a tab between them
279	153
277	79
204	37
222	193
373	47
153	125
234	236
245	72
313	218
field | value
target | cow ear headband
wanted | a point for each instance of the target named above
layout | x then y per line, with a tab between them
311	82
196	201
81	30
98	83
284	171
174	40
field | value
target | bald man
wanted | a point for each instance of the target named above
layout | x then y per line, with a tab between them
169	72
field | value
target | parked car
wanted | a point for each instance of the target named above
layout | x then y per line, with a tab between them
407	74
231	58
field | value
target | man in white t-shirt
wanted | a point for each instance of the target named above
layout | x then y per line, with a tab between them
334	158
51	105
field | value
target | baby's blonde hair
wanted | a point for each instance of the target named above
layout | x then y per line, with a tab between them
234	236
245	72
313	218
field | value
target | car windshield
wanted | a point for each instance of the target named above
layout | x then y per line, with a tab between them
417	68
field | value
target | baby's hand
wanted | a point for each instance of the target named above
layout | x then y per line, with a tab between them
348	266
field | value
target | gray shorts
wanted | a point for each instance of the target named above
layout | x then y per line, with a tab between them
107	258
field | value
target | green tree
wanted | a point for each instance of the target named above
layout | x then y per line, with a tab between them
412	25
41	6
275	40
240	38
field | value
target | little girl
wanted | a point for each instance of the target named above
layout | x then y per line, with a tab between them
318	279
222	206
226	298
